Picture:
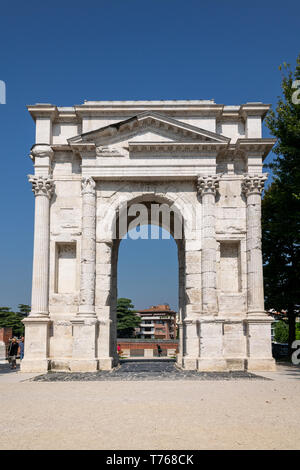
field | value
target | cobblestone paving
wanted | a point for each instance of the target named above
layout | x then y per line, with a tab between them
144	370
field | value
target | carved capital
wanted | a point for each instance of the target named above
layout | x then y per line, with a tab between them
41	185
41	151
253	184
208	185
88	185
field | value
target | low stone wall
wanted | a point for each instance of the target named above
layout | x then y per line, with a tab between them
131	347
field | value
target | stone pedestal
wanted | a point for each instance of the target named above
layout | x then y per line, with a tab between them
106	360
189	360
36	345
259	344
84	345
211	346
106	363
235	344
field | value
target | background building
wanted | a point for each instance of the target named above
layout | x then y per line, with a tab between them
158	322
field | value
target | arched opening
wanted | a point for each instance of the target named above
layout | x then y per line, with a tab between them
145	221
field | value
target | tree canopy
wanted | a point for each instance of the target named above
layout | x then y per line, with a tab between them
127	320
9	319
281	204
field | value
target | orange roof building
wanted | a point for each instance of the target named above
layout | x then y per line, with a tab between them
157	322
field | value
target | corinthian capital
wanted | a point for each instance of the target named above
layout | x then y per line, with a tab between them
207	185
88	185
41	185
253	184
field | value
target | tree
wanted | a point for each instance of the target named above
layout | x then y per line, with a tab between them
24	309
281	332
281	205
127	319
9	319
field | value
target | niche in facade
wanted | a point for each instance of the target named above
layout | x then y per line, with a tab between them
65	268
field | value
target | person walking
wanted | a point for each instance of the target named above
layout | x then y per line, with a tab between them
13	352
21	344
159	350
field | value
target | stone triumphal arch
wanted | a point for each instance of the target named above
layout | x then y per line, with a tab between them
101	165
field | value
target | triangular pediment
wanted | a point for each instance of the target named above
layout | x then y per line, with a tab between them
148	128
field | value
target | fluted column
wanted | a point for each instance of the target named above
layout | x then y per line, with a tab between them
88	247
207	189
252	187
42	187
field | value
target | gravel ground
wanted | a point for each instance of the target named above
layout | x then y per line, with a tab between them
143	370
151	414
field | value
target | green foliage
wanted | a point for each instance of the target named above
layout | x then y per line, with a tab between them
127	320
9	319
24	309
281	332
281	205
298	331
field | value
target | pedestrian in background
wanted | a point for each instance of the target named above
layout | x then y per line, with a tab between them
13	352
21	344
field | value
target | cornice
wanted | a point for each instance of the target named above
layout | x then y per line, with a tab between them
94	109
85	147
67	114
176	146
261	146
43	110
61	148
254	109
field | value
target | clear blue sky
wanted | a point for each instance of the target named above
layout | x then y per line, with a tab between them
67	51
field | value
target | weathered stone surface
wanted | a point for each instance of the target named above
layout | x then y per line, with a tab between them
170	155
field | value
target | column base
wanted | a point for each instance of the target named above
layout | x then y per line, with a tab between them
236	364
188	363
35	365
36	344
212	365
261	365
84	365
106	363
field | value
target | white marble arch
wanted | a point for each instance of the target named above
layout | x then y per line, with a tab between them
109	243
201	158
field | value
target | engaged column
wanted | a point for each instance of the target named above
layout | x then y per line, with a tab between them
207	188
252	187
42	188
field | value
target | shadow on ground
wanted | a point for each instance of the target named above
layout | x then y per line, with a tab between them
6	369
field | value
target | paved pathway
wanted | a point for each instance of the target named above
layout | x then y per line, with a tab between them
151	414
143	370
